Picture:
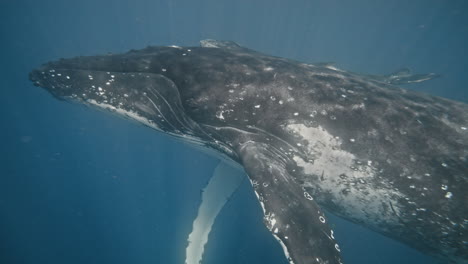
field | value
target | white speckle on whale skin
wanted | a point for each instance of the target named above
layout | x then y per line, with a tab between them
219	115
448	195
358	106
444	165
68	77
268	69
463	128
280	102
322	219
257	106
296	114
107	83
273	222
337	248
444	187
164	70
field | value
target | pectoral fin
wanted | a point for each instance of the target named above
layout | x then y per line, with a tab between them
291	214
222	185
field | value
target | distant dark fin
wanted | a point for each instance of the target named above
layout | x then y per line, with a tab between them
413	78
290	213
403	76
211	43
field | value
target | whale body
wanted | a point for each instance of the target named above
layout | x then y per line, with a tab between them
309	136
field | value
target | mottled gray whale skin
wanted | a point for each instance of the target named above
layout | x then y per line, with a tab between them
308	136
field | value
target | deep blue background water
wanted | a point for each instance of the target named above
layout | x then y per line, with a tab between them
81	186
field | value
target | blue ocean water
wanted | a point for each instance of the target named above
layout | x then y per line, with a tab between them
81	186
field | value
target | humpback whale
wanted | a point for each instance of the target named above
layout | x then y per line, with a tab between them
309	137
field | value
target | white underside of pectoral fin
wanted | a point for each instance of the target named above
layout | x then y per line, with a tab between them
224	182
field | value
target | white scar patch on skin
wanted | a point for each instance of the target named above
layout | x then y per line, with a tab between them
355	188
